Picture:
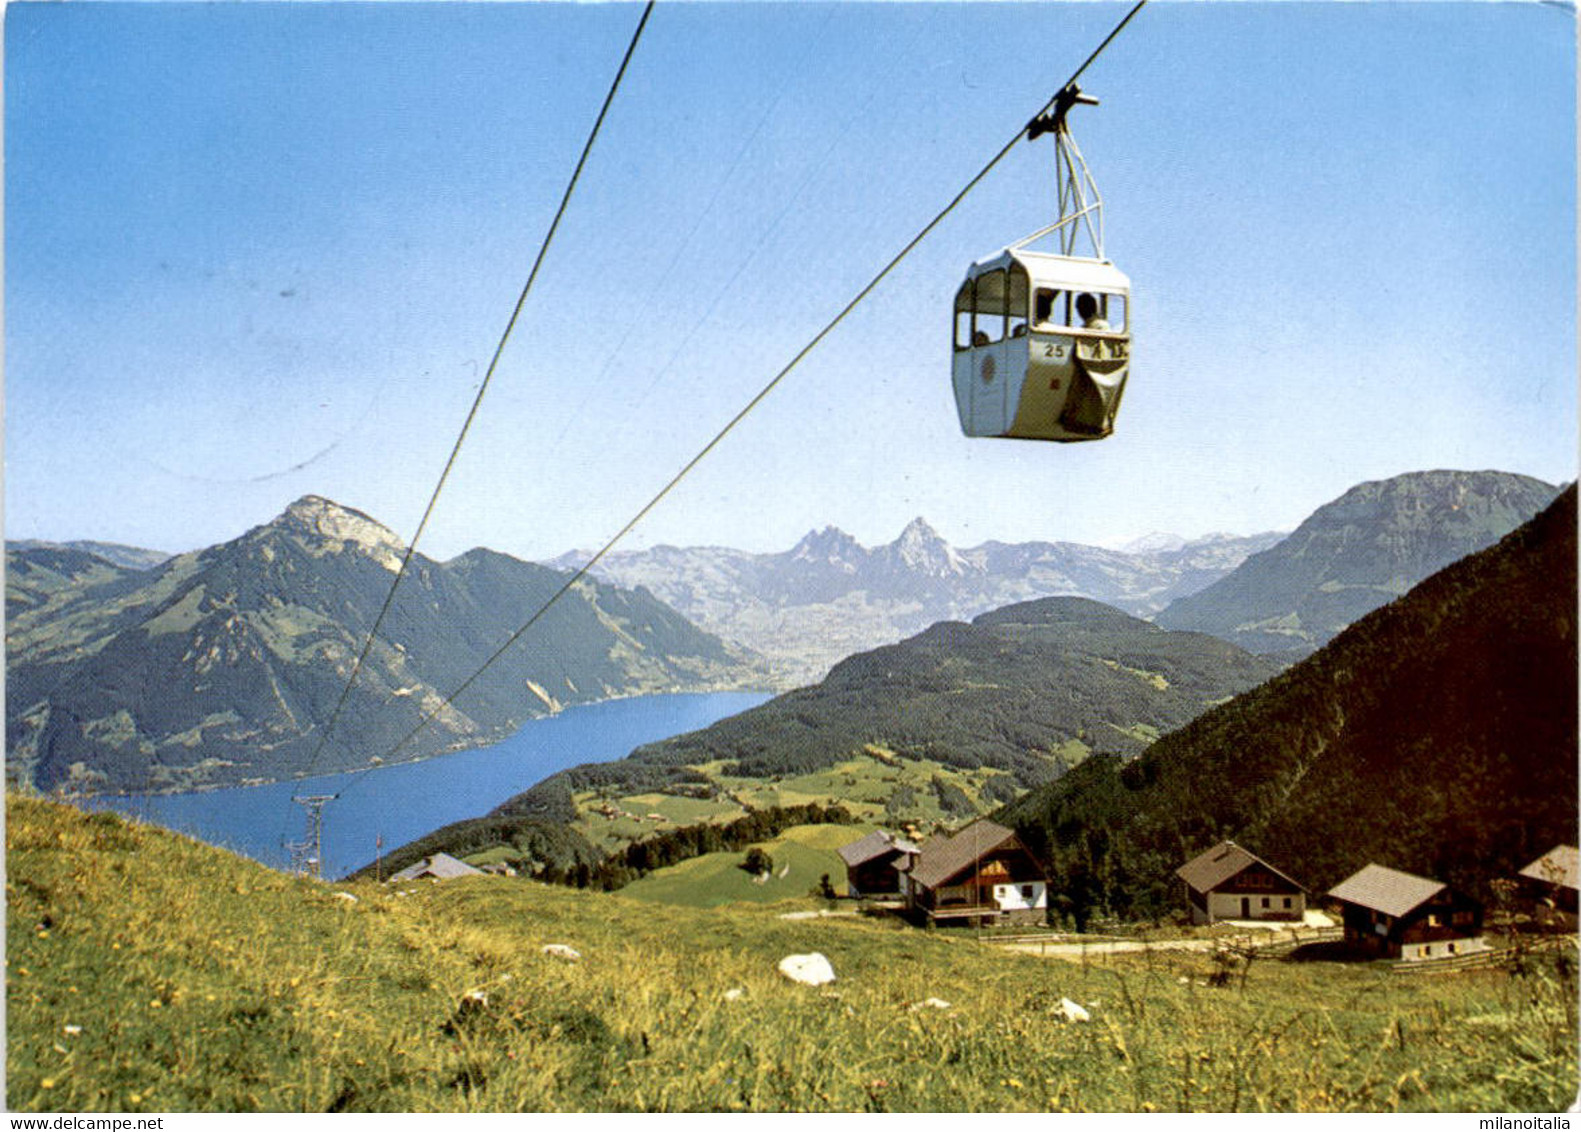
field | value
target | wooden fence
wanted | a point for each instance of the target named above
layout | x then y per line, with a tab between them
1493	957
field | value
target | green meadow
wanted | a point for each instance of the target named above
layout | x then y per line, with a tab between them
147	972
802	855
875	786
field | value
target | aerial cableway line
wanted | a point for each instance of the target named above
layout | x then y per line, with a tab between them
581	573
314	822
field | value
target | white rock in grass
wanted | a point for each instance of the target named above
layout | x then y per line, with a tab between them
814	970
561	951
346	896
734	993
935	1003
1073	1011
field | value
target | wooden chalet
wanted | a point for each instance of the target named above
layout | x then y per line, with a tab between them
1231	883
441	866
1548	886
1395	915
982	875
872	864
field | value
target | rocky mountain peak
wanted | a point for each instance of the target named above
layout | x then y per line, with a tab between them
828	545
920	549
318	519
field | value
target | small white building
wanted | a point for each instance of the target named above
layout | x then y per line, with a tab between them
1231	883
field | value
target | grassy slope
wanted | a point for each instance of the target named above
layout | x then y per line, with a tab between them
201	981
863	785
802	853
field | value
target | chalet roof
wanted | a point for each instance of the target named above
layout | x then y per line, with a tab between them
1207	871
875	844
942	858
1558	866
441	865
1386	890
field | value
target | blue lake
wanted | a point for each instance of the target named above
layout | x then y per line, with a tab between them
404	802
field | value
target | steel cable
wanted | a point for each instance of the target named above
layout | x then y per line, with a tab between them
477	401
757	399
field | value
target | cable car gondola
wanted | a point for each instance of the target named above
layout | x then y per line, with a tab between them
1042	341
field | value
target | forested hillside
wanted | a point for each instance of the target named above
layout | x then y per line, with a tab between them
1028	691
1436	735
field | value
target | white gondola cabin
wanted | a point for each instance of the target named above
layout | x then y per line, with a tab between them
1042	346
1042	341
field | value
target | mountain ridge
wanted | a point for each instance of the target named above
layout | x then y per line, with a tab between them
828	596
221	666
1355	553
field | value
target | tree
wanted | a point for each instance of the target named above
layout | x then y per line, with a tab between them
758	862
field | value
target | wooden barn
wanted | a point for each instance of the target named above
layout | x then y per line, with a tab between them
983	875
1395	915
1548	886
872	864
1231	883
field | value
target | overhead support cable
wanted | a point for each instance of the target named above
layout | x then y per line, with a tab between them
483	387
763	393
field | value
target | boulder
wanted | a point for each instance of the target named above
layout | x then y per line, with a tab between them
814	970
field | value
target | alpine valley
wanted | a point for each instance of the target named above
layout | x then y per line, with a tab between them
131	671
962	718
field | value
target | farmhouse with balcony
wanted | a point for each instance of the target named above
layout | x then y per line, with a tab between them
871	863
1395	915
1231	883
982	875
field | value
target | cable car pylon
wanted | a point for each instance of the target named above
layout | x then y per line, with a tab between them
307	855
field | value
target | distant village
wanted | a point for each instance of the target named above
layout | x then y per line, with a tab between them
984	876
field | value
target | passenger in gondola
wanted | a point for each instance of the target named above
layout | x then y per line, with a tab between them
1044	308
1087	309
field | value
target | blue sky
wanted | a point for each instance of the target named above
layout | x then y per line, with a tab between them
255	251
